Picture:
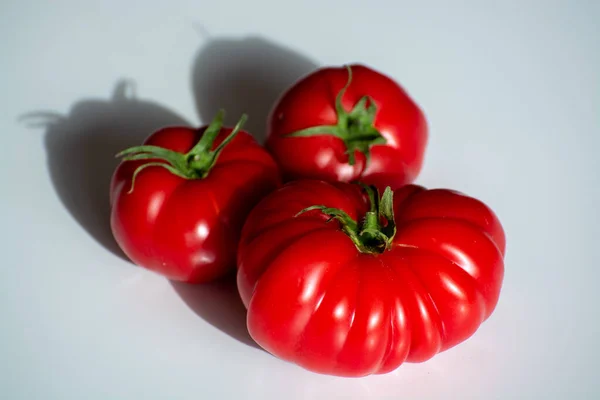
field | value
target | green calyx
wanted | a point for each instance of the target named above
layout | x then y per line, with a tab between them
354	128
195	164
369	236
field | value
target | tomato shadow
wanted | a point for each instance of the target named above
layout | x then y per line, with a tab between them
244	75
219	304
81	148
240	75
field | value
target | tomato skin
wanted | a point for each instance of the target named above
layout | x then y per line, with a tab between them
314	299
311	102
188	229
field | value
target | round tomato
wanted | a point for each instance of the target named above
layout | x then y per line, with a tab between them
341	282
179	201
348	124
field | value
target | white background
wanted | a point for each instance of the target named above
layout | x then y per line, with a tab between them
511	90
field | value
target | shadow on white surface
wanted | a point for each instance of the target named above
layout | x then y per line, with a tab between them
240	75
219	304
244	76
81	148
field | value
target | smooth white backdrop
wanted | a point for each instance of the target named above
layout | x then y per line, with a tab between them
512	93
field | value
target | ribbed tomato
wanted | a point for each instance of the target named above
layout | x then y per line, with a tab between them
342	282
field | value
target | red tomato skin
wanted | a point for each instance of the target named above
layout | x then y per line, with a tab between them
313	299
311	102
188	229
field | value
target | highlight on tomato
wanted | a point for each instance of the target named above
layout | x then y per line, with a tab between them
343	281
178	201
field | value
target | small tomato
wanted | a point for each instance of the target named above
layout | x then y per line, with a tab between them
179	201
348	124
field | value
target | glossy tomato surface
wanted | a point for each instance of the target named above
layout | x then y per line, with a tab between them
311	102
314	299
188	229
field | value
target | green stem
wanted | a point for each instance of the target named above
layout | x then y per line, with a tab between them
368	236
338	99
195	164
387	211
200	164
139	169
355	128
210	134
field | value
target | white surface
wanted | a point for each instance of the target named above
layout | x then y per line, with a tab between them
512	93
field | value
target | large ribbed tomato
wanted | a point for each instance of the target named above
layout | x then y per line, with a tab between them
347	124
180	200
343	283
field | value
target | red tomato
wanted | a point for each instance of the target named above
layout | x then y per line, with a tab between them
180	200
347	124
356	285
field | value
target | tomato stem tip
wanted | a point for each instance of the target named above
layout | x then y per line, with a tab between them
369	236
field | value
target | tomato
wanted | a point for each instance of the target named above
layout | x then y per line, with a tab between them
348	124
341	282
179	201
